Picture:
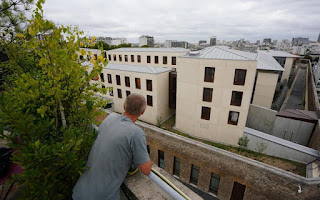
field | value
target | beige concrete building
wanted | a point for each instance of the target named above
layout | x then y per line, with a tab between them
151	82
213	93
156	57
266	80
286	60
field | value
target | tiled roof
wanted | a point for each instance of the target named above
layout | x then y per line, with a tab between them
133	68
280	54
172	50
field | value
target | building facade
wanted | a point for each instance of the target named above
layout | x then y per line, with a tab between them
213	41
146	40
213	93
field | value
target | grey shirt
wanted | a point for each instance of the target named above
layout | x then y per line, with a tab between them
119	144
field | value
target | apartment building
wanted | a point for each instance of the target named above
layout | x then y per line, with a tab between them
213	93
151	82
146	40
155	57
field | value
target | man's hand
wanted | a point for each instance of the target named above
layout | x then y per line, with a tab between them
145	168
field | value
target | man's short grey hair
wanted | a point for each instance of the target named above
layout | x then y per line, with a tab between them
135	104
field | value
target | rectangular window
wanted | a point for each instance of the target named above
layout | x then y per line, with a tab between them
119	93
165	60
128	93
138	84
109	78
205	113
148	59
120	58
127	81
114	57
132	58
176	166
139	58
194	174
149	85
207	94
161	159
156	59
149	100
126	58
103	86
209	74
240	77
174	60
109	56
233	117
118	79
214	183
111	91
236	98
102	77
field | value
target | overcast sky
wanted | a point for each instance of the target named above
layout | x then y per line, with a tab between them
190	20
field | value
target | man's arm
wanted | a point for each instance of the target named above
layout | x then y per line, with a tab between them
145	168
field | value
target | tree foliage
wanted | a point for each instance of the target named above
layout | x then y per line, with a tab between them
48	106
12	14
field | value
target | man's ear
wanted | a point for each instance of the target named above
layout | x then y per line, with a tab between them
143	111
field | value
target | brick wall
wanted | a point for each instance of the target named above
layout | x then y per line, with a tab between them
262	181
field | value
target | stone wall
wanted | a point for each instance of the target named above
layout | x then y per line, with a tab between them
262	181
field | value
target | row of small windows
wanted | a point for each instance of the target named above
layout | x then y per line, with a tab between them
232	118
127	81
239	76
214	181
132	57
119	91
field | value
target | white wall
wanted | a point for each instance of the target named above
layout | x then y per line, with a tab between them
279	147
265	88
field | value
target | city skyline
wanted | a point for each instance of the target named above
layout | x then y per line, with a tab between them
189	21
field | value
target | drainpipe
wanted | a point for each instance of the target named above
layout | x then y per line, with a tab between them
169	189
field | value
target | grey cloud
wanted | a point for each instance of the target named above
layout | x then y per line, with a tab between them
190	20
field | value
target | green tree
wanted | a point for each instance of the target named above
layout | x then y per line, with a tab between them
48	106
143	46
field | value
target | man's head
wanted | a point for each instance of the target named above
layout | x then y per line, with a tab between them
135	104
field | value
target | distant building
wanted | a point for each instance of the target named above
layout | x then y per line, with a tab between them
202	42
267	40
213	41
146	40
319	38
112	41
299	41
175	43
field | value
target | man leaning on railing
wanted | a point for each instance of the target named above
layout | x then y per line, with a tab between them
120	145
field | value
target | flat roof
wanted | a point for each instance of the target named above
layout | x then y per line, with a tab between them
133	68
150	49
